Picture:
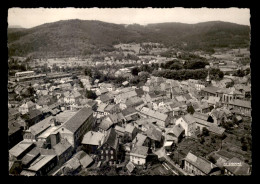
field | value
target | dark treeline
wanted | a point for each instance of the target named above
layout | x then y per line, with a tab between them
186	74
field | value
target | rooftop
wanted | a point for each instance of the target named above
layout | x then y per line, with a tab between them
140	150
242	169
62	146
201	163
19	148
40	162
78	119
93	138
241	103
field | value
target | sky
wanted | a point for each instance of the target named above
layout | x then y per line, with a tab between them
31	17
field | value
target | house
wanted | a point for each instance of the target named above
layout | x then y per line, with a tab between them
63	151
105	125
15	167
34	131
13	113
90	103
105	98
101	91
120	131
131	102
75	128
128	112
15	133
241	107
174	134
218	116
236	167
33	117
72	98
214	101
85	160
20	150
209	91
101	110
155	137
26	107
130	166
30	157
131	131
112	108
199	166
109	150
163	120
138	155
141	140
92	141
43	165
188	123
228	94
125	95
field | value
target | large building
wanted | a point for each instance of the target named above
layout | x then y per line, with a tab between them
74	129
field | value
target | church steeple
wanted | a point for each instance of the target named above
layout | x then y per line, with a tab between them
208	78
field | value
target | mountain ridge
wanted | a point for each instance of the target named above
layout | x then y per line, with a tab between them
76	37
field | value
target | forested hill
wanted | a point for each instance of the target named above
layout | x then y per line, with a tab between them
82	37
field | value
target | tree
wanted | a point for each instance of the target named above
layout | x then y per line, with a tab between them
126	139
205	131
88	72
212	159
202	140
135	71
90	94
190	109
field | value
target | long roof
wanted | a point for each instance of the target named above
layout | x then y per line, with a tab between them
243	169
41	126
211	89
154	114
241	103
19	148
199	162
78	119
200	116
40	162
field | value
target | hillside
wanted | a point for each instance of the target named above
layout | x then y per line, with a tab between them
82	37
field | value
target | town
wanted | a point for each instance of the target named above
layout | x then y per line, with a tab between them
141	109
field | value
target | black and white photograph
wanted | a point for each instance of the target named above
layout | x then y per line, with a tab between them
129	91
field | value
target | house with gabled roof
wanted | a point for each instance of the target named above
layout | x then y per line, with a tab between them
236	167
130	131
139	154
199	166
241	107
188	123
162	119
92	141
108	152
74	129
63	151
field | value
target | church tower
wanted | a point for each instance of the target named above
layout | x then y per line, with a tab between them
208	79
